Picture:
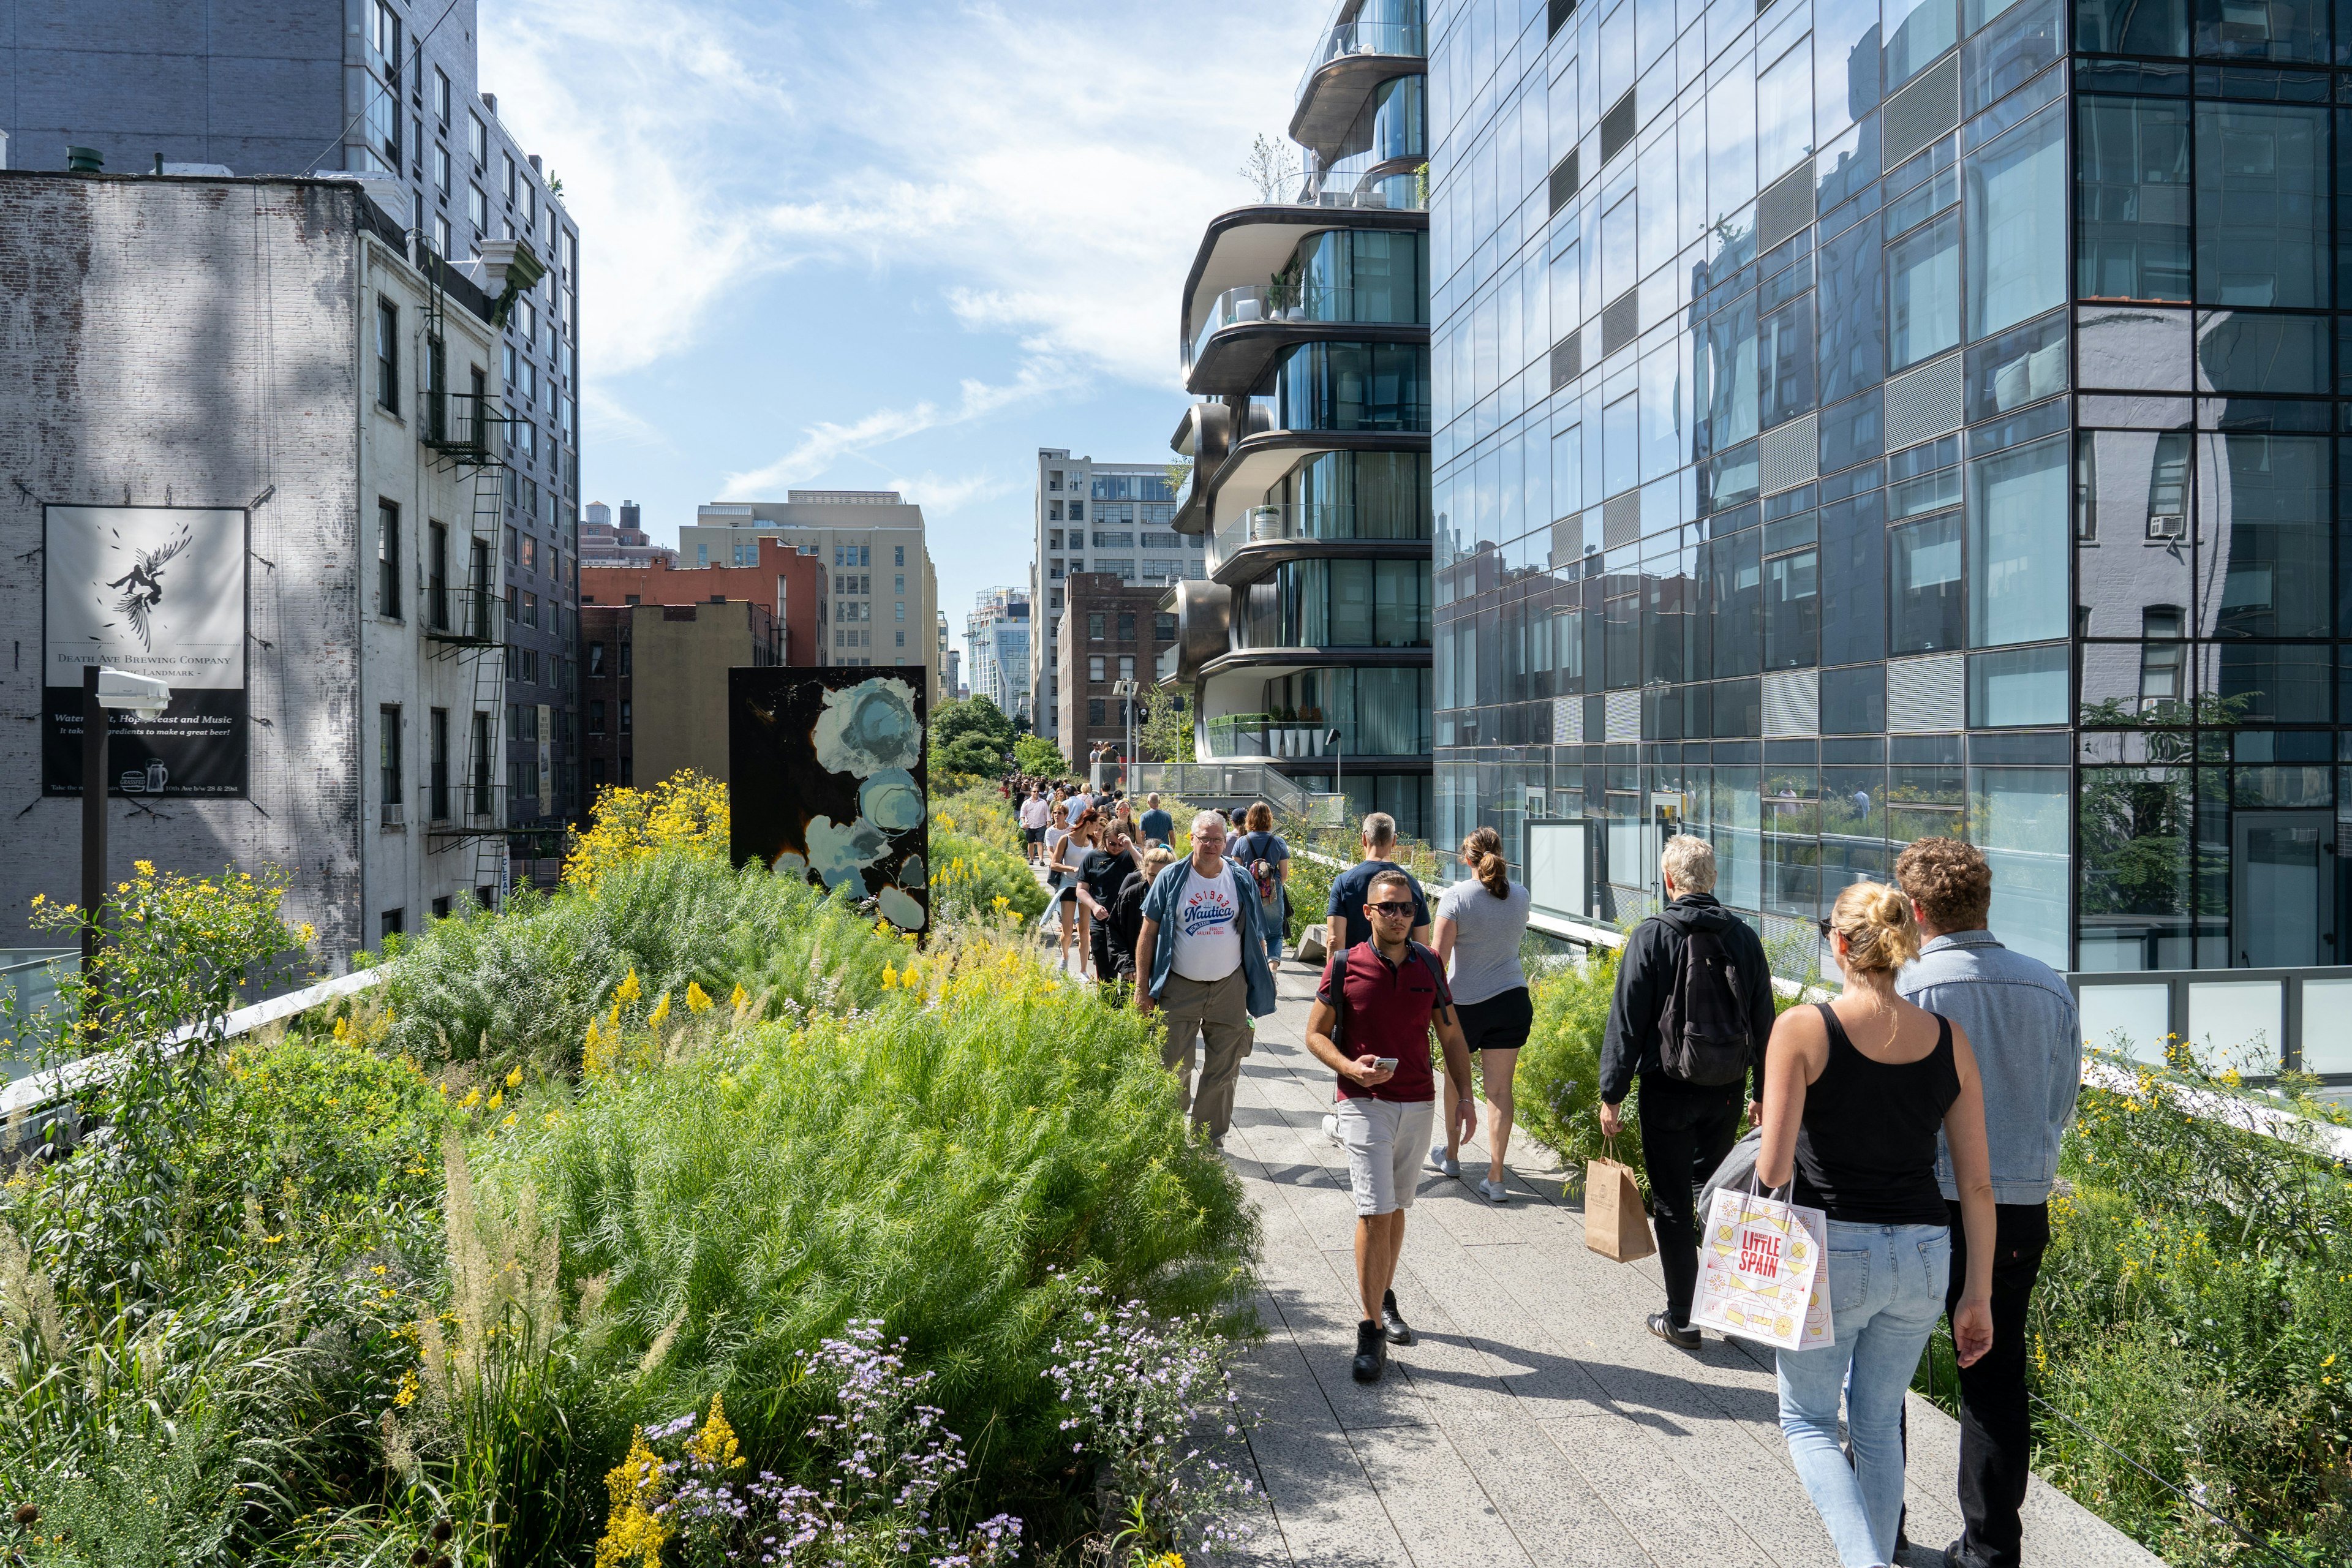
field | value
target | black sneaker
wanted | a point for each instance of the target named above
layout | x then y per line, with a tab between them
1393	1323
1371	1353
1683	1338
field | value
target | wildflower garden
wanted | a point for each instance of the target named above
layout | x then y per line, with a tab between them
680	1217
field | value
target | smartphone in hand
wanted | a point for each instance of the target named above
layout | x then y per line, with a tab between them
1386	1064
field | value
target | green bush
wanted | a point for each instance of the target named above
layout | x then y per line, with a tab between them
955	1160
1559	1084
968	876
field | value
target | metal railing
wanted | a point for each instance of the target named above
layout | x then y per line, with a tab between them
1304	300
2297	1019
1263	524
465	427
1389	190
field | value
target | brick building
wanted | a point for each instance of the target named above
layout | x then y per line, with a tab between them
787	583
1111	630
654	680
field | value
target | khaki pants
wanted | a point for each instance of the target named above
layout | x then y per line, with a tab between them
1218	1012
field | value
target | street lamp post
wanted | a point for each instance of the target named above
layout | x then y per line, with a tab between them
1126	689
1338	769
104	691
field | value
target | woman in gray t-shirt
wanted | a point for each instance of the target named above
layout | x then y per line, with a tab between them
1479	924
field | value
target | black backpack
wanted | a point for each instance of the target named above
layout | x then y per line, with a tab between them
1702	1033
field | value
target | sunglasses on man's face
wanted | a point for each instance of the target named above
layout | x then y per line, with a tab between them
1390	909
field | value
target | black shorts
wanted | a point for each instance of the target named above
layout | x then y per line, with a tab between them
1502	1022
1034	834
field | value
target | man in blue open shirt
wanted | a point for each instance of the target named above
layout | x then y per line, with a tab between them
2022	1023
1201	957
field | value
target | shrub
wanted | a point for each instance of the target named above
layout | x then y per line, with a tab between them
686	811
1039	757
1558	1082
932	1163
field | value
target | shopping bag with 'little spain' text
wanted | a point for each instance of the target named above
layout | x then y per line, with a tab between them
1759	1260
1615	1224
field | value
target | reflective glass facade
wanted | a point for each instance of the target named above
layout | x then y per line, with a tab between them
1856	419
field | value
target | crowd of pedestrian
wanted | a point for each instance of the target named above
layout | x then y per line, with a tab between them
1919	1109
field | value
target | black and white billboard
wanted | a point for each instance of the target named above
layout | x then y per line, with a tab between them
158	591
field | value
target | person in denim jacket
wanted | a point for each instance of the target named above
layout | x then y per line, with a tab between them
2022	1020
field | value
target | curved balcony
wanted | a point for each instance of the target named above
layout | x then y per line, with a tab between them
1264	537
1248	327
1348	66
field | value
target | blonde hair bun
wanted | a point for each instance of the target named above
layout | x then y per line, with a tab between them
1875	920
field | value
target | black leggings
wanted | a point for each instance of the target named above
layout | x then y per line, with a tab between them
1685	1132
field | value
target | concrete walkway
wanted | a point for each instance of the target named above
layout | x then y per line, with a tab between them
1536	1421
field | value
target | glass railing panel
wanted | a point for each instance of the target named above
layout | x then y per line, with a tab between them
1406	39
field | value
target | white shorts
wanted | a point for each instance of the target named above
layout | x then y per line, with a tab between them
1384	1140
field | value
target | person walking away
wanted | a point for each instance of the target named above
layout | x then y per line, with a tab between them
1857	1093
1370	1025
1203	958
1036	817
1346	924
1262	850
1100	871
2021	1021
1689	1021
1157	826
1126	909
1063	867
1479	925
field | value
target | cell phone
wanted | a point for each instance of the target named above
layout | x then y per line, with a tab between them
1386	1064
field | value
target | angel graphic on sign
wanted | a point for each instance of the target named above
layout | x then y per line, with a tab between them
143	585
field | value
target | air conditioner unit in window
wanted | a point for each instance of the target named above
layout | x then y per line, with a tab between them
2168	525
395	814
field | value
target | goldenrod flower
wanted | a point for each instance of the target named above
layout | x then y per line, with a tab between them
514	1078
661	1011
697	999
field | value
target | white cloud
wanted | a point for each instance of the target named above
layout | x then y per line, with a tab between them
943	498
1044	174
823	444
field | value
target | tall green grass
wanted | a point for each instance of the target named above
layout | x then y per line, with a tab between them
954	1166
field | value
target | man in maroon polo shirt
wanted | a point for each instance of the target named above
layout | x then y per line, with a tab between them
1392	989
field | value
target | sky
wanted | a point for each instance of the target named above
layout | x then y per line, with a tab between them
859	246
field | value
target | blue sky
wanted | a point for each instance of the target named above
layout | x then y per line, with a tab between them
885	245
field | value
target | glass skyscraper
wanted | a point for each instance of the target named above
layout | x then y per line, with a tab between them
1861	419
1305	330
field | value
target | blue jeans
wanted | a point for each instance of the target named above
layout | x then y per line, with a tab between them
1274	942
1886	1290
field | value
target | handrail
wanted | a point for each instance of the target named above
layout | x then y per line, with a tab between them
60	1083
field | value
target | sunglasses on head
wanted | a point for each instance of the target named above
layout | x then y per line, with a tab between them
1823	921
1391	908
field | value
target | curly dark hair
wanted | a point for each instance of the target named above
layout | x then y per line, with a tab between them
1948	881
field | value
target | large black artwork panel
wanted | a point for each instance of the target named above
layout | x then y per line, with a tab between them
827	780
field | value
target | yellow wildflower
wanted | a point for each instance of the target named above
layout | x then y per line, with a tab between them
409	1388
630	990
697	999
889	977
634	1530
714	1444
740	997
473	1097
514	1078
661	1011
497	1098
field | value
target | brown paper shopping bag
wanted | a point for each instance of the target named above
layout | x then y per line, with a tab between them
1615	1224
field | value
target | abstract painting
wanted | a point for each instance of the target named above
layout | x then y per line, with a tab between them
827	781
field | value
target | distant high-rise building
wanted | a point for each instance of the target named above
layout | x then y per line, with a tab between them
603	543
1115	519
996	638
884	608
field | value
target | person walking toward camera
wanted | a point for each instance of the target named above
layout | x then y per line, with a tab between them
2021	1021
1857	1093
1370	1025
1203	958
1036	817
1479	925
1689	1021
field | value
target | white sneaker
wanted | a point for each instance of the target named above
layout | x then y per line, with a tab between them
1493	1192
1331	1131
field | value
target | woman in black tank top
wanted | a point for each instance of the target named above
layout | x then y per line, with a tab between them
1856	1092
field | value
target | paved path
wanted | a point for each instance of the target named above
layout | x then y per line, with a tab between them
1536	1421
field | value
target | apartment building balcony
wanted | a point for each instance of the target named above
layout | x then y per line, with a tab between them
1249	327
1261	538
1349	65
1233	289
